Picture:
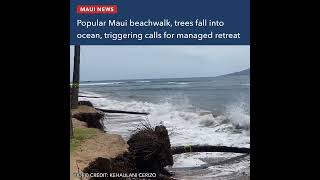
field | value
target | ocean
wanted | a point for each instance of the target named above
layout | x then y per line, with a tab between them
204	111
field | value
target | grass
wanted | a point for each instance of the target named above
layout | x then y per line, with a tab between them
80	135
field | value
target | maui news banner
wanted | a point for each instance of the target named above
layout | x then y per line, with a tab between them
159	89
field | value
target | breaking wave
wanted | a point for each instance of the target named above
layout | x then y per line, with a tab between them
238	115
100	84
185	123
180	83
142	81
186	126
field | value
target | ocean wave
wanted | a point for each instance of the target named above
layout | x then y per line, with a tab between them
180	83
238	116
185	127
142	81
100	84
246	84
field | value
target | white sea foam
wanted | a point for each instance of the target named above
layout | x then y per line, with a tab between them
237	115
185	127
210	165
142	81
179	83
185	160
99	84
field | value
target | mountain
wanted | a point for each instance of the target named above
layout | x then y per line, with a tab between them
243	72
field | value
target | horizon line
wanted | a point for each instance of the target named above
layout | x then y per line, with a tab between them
163	77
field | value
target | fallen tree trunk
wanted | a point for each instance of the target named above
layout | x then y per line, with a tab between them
148	152
89	96
124	112
206	148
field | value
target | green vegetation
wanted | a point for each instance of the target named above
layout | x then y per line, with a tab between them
80	135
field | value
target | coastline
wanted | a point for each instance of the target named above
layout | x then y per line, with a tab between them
107	145
101	144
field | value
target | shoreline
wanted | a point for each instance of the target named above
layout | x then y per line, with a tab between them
101	144
108	145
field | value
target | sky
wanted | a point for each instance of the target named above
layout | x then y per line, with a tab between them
152	62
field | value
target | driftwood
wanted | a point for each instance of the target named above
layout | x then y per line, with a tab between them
205	148
124	112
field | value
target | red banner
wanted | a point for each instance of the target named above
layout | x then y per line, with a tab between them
97	9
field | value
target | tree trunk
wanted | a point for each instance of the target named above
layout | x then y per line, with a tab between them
71	126
76	77
89	96
198	148
123	112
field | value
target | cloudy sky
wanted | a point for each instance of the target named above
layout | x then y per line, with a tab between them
149	62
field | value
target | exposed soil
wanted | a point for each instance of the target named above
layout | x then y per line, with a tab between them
102	145
90	115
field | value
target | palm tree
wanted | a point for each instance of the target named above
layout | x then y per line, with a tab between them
71	126
75	83
76	77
